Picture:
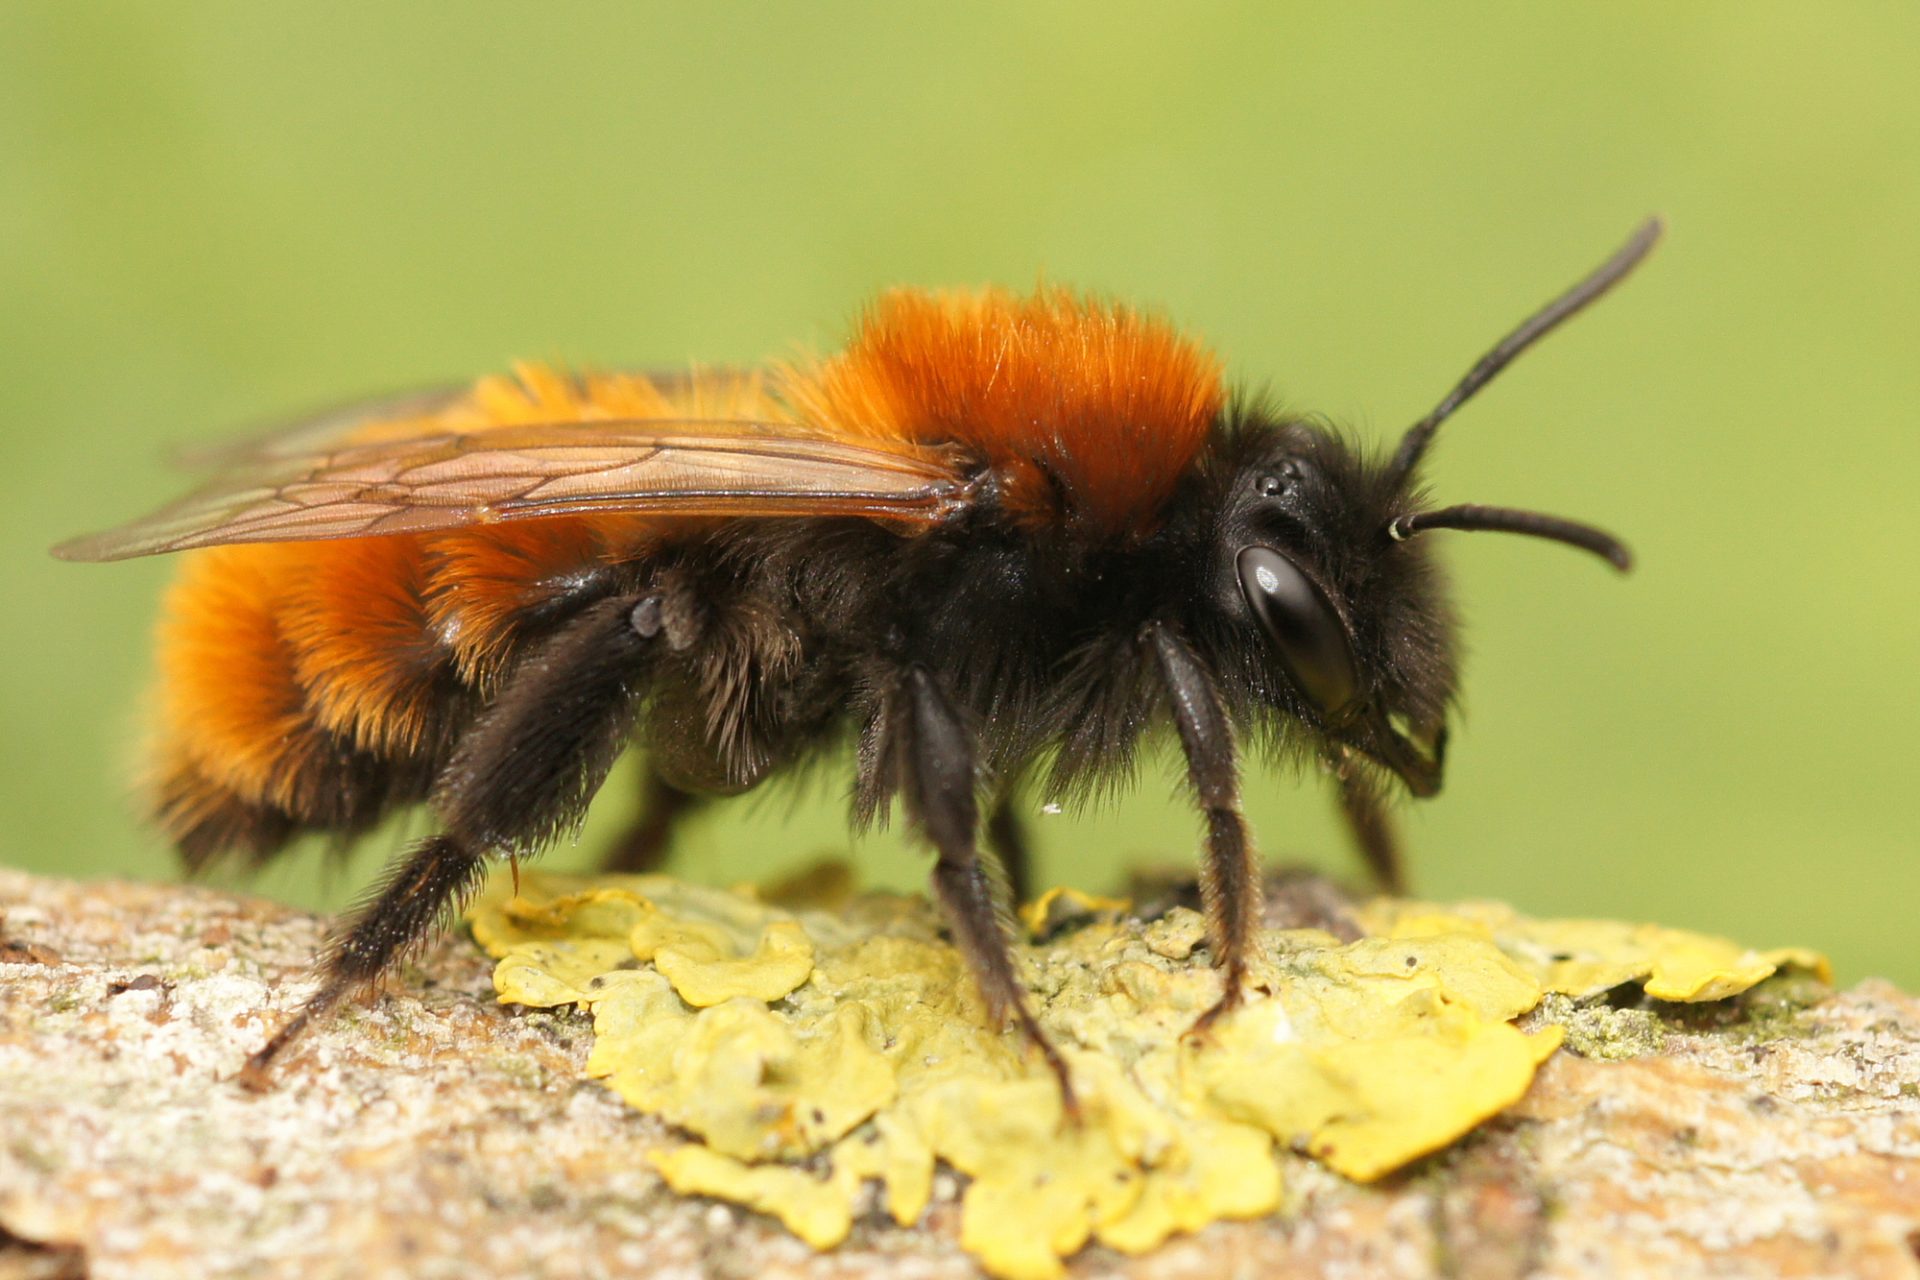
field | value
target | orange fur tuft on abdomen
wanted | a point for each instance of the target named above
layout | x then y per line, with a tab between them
311	685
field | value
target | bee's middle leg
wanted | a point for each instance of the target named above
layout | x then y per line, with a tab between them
933	757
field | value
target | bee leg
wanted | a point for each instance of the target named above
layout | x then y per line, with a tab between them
521	775
933	754
1230	878
645	844
1365	811
1007	837
409	903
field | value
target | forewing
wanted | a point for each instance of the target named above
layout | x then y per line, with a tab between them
450	480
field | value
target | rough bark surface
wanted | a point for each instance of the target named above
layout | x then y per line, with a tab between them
434	1133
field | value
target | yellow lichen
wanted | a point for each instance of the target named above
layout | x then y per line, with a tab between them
853	1041
1039	915
1585	957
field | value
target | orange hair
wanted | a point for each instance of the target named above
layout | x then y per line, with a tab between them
1088	411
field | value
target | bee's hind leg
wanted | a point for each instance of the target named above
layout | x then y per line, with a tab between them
440	873
521	775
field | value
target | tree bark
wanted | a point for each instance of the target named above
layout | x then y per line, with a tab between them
433	1132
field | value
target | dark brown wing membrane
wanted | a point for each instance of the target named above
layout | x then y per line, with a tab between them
449	480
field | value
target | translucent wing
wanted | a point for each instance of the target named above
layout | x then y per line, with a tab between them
319	431
447	479
315	432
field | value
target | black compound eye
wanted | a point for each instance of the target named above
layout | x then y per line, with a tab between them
1302	624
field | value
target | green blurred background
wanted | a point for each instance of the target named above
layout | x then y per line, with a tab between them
217	213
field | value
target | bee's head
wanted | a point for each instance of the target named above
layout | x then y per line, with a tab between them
1329	619
1333	604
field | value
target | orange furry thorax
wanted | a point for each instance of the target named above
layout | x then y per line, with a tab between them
1088	412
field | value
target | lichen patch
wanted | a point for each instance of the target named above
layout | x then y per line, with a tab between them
816	1059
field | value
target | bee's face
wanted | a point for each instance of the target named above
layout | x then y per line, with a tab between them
1351	622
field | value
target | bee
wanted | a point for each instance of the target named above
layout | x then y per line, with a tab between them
988	546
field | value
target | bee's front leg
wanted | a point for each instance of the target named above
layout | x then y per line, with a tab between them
1365	810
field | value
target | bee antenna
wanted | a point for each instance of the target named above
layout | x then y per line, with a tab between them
1531	330
1508	520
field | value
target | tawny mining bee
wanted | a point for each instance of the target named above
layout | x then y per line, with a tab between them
988	545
